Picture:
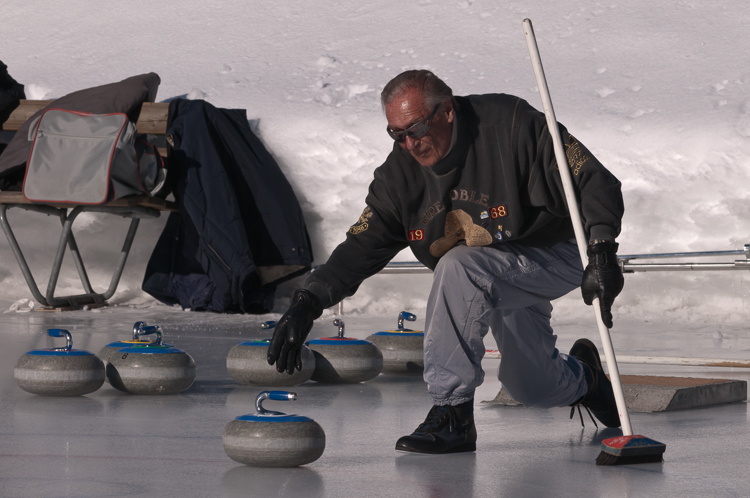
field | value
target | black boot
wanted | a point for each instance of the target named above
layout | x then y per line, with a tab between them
600	398
447	429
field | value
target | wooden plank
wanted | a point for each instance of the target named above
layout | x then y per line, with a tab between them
132	200
24	111
153	117
655	380
646	394
146	201
13	198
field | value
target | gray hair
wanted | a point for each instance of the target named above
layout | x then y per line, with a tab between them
433	89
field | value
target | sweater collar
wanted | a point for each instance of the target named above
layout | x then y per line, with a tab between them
456	152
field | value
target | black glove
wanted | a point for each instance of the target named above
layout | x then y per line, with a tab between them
291	331
602	277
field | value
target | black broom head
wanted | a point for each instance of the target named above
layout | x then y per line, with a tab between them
629	450
605	458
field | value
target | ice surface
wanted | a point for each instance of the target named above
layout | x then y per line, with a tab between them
113	444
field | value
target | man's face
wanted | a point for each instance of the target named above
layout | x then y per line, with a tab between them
410	108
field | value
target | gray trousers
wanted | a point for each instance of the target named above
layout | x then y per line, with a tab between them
508	290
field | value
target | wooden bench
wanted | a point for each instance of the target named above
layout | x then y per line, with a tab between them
153	119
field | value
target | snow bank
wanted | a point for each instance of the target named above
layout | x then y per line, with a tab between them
658	93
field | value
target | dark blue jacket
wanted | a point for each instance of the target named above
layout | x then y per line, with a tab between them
240	229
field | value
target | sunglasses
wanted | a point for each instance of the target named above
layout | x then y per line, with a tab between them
417	130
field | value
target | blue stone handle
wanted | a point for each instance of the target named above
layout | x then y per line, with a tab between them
273	395
62	333
405	315
340	324
148	330
281	395
137	326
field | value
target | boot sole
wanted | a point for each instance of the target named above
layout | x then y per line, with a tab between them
464	448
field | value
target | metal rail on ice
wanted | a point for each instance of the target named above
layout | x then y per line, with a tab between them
626	264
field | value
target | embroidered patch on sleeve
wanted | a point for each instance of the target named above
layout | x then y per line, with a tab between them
361	224
575	155
416	235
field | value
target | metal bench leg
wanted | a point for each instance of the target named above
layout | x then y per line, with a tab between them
123	258
19	256
73	248
67	239
91	297
67	225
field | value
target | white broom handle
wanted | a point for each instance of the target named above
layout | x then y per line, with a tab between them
575	216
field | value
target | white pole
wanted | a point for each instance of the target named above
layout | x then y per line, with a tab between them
575	216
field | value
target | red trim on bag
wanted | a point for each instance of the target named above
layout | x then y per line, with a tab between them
28	160
112	157
109	182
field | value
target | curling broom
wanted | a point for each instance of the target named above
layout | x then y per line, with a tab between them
628	448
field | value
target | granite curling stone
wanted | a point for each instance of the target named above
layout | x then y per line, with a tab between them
344	360
151	368
139	329
273	439
60	371
403	349
247	363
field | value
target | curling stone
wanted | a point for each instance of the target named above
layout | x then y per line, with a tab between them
273	439
403	349
247	364
151	368
344	359
60	371
138	332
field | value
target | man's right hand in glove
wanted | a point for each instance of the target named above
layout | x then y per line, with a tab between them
291	331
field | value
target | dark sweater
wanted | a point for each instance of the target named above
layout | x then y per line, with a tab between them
499	183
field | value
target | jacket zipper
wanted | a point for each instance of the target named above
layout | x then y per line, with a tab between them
42	133
217	255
